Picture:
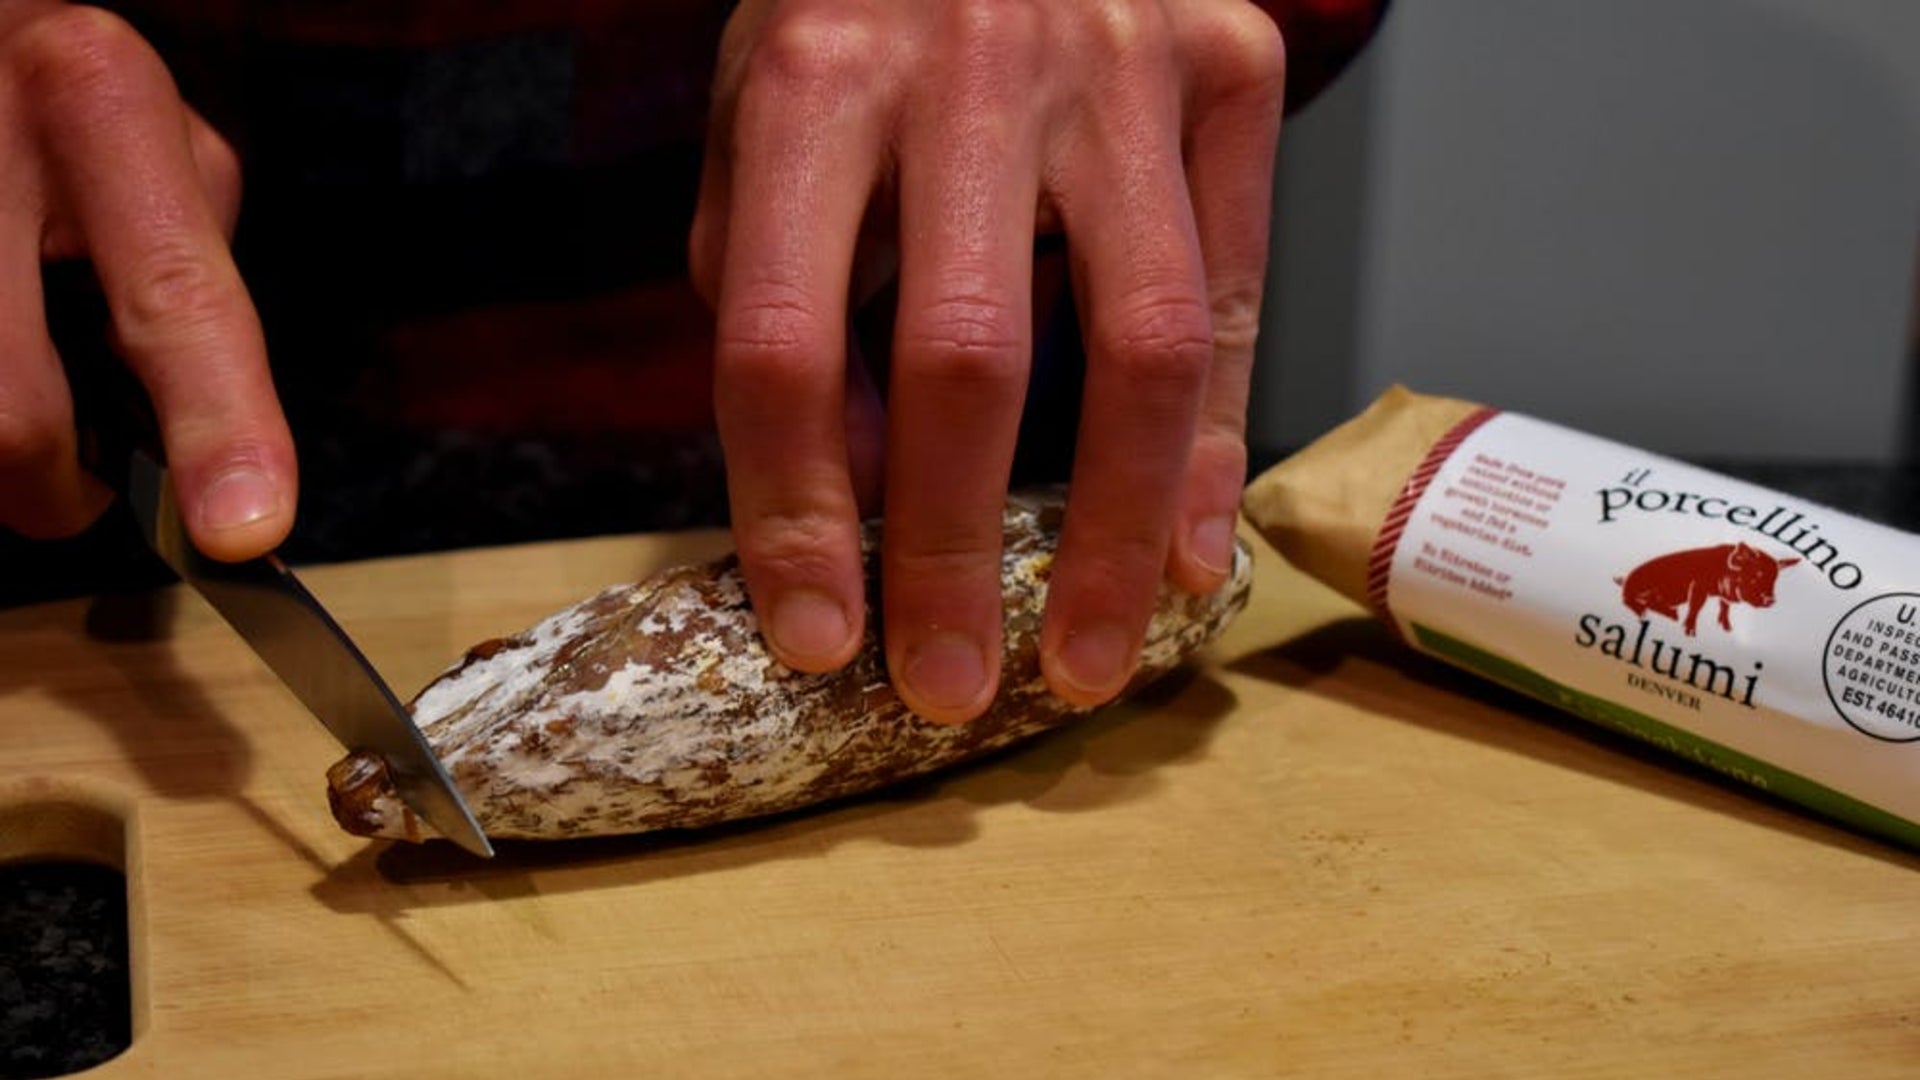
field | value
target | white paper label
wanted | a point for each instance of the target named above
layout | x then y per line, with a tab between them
1763	635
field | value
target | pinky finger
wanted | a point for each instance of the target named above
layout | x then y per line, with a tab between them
1234	102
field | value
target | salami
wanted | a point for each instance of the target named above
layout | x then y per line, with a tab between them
655	705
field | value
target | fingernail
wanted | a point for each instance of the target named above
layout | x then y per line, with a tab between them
1095	659
1212	543
946	670
238	498
809	624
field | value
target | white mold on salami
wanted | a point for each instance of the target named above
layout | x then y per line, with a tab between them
655	705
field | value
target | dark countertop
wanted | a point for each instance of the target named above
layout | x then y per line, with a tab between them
63	978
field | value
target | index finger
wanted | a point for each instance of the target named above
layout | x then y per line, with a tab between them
118	136
803	161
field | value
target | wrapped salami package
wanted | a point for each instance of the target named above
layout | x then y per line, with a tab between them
1772	639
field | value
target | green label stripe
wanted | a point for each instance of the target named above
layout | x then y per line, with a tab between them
1714	756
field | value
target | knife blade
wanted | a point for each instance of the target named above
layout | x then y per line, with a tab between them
291	631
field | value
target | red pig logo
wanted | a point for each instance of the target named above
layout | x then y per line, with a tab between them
1729	573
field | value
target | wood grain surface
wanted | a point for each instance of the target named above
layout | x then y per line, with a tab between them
1314	855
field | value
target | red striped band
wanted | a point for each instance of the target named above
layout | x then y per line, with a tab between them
1387	540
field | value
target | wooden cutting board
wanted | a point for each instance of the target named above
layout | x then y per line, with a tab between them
1314	855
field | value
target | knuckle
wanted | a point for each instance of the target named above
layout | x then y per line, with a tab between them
171	289
792	544
955	561
1000	30
816	50
1242	51
1116	24
1236	317
967	340
1219	456
766	316
1236	337
1167	339
78	55
773	333
1121	28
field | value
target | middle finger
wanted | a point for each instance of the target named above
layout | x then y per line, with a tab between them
803	162
968	187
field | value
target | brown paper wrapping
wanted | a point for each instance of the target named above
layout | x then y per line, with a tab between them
1322	508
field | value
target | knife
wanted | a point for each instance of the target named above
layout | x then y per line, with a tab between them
261	599
293	634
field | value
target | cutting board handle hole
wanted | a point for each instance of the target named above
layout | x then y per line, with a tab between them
67	1003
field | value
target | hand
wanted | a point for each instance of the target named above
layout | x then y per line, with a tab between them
99	158
953	131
